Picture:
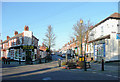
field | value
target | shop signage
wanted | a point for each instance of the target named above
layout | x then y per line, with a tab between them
28	47
117	36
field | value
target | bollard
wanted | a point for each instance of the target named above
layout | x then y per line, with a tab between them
102	64
19	61
85	64
40	60
59	62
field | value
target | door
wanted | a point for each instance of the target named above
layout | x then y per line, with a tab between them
28	55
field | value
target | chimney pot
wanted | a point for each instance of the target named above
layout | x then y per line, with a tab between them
26	28
8	37
16	32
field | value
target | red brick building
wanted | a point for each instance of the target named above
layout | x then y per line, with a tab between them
21	45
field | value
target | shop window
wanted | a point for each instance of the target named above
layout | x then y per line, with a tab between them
16	54
23	58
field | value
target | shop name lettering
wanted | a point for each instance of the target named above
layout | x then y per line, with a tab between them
28	47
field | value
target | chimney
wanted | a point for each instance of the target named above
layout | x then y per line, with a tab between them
16	32
1	41
8	37
70	41
73	39
26	28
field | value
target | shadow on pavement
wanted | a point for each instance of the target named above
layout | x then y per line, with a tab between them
29	72
61	75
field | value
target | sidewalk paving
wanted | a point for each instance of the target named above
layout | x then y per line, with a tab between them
16	63
96	67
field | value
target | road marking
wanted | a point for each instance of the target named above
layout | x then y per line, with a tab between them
47	78
93	72
116	76
108	75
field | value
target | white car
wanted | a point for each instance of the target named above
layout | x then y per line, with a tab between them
63	55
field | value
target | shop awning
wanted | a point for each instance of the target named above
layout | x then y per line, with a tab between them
101	38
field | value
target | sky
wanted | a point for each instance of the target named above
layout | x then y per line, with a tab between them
60	15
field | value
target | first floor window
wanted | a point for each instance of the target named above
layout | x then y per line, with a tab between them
16	53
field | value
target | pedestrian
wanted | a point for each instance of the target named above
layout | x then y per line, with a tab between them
6	60
40	60
3	59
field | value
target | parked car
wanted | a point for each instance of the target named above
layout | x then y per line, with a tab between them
63	55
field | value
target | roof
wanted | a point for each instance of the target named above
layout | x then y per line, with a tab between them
35	37
42	48
113	16
18	35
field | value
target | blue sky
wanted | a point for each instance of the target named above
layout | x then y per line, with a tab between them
60	15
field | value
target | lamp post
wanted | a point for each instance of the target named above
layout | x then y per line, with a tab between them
81	22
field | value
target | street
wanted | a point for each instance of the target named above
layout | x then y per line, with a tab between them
51	71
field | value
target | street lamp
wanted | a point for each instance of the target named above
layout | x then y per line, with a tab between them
81	22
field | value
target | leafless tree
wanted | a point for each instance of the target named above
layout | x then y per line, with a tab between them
80	30
50	38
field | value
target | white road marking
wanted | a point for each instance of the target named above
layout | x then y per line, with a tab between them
115	76
93	72
47	78
108	75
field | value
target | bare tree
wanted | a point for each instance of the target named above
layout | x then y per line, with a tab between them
80	30
50	38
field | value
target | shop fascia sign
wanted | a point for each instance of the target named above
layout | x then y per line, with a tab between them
28	47
99	42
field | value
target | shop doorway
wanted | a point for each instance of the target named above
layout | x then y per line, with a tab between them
28	57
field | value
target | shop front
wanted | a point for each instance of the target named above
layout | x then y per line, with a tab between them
99	50
23	53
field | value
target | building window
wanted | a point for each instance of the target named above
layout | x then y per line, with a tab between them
102	31
20	39
118	28
16	53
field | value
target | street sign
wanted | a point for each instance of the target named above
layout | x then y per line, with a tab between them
117	36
